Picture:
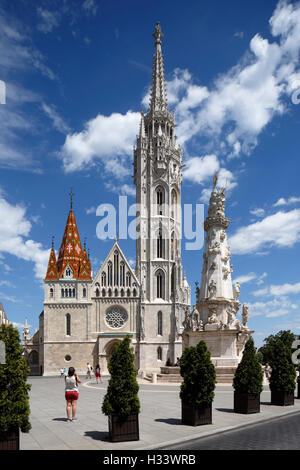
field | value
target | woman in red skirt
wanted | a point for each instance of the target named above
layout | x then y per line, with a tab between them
71	393
98	373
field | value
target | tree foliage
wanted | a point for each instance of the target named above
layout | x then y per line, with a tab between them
199	376
122	392
267	350
14	391
283	375
248	376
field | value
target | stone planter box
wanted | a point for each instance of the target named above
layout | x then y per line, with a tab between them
11	441
282	398
123	430
193	416
246	403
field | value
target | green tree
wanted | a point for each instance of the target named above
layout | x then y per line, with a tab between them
283	376
199	376
248	376
122	392
14	391
267	350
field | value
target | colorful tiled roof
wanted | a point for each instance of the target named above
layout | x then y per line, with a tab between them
70	255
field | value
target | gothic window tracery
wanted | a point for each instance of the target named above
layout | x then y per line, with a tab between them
116	317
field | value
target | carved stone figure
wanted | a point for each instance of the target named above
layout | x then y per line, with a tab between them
245	315
212	289
232	322
236	290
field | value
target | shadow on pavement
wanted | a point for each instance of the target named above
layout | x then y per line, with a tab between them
97	435
169	421
60	419
225	410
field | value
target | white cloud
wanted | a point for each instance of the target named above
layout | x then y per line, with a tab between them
258	212
199	169
202	169
285	202
58	121
273	308
279	290
280	229
14	237
48	20
90	7
106	138
243	279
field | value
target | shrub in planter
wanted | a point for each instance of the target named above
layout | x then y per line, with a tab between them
121	403
283	376
197	389
248	381
14	398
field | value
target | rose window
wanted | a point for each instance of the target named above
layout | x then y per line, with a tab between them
116	317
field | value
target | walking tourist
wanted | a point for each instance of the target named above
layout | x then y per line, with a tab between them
98	373
71	393
267	370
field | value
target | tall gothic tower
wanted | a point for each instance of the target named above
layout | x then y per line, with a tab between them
158	176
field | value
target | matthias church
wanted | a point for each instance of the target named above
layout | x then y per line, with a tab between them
84	316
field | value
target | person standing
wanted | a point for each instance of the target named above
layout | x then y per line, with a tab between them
98	373
71	393
267	370
88	372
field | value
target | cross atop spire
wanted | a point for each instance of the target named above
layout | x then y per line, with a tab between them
71	194
158	100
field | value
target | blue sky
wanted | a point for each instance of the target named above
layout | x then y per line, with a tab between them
77	75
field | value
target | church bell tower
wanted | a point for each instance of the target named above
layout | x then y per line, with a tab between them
158	177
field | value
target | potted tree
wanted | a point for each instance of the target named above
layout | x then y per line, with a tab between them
283	376
14	397
121	403
248	381
197	389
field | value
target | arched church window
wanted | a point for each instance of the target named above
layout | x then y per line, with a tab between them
97	292
159	353
116	268
51	292
134	292
109	270
68	324
173	281
68	272
103	293
62	292
160	284
122	273
160	245
128	279
84	292
74	292
103	279
159	323
116	293
160	199
128	292
173	203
